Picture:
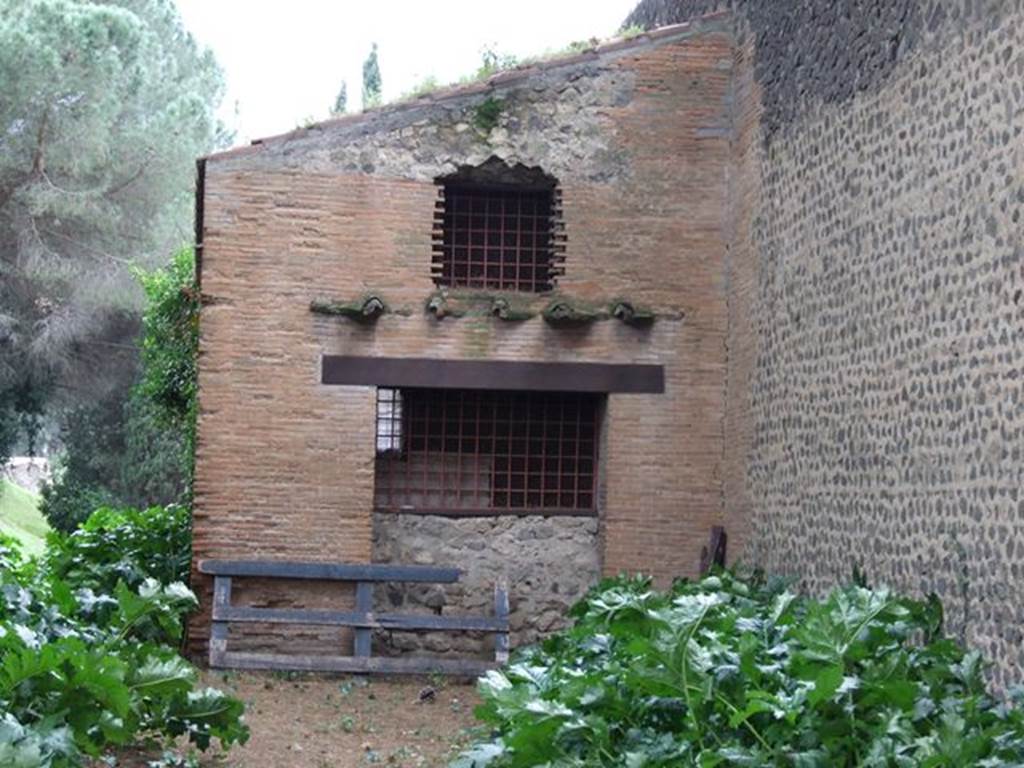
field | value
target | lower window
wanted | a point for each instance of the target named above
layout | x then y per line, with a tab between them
451	451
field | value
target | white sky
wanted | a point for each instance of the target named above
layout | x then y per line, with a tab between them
284	60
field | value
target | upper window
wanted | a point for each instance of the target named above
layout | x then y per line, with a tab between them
498	228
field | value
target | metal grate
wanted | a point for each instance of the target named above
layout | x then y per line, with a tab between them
461	452
497	238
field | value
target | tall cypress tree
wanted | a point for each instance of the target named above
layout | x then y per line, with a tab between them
371	80
341	100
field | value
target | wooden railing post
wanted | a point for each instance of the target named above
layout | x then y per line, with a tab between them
364	605
501	613
219	629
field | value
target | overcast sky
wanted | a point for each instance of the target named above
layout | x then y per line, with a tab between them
284	60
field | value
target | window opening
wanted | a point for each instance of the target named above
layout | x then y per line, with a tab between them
498	228
450	451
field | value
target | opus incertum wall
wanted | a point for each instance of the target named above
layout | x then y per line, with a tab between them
875	406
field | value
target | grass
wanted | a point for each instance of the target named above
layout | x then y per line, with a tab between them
20	517
494	62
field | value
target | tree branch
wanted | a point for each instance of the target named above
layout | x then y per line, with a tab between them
127	182
39	156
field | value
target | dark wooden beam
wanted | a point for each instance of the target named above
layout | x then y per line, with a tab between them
488	511
625	378
329	571
405	665
399	622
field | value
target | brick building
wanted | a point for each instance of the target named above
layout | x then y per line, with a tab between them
812	210
542	399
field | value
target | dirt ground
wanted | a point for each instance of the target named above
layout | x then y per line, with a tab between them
307	721
320	721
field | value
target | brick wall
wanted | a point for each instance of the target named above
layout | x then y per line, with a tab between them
638	137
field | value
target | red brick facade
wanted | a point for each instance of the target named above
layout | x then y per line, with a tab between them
639	138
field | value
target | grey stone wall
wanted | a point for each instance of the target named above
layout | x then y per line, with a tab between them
555	118
876	349
887	394
829	50
547	563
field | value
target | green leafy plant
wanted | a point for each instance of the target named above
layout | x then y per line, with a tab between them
170	348
427	85
487	114
726	672
123	545
88	637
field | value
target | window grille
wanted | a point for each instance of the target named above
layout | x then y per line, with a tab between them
449	451
498	238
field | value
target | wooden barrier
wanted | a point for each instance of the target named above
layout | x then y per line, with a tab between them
363	619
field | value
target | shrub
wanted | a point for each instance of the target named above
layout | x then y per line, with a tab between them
134	446
87	644
724	672
170	350
116	453
126	545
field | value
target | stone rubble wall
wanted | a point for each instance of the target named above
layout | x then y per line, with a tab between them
875	406
547	564
812	52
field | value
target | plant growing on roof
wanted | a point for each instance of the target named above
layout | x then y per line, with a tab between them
487	114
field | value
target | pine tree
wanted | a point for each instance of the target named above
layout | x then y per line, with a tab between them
371	80
103	109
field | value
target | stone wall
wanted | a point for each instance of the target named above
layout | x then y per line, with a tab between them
285	466
827	51
547	565
875	409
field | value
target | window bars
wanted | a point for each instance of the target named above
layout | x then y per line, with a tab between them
498	238
465	452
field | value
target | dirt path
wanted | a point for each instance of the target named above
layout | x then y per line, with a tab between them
307	721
